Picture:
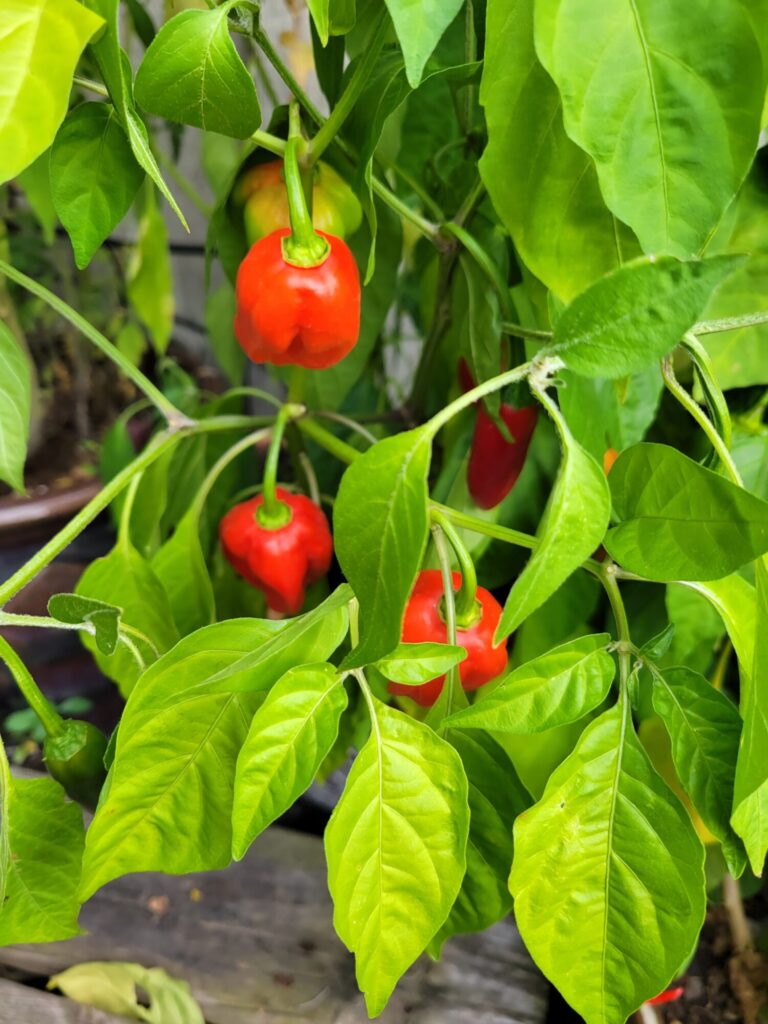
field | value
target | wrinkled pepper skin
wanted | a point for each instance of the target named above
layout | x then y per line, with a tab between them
280	562
75	758
423	624
495	464
302	316
336	209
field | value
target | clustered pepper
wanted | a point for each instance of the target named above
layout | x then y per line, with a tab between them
280	560
423	623
495	463
336	209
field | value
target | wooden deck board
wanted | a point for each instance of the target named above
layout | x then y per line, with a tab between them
257	946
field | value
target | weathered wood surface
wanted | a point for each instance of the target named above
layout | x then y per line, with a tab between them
21	1004
257	946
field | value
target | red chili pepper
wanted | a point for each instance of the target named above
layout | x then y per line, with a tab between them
495	463
423	623
669	996
281	561
305	316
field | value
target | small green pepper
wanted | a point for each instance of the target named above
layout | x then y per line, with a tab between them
74	757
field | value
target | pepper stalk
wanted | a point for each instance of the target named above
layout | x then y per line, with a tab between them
468	610
303	247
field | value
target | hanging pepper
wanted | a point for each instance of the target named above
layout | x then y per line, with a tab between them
671	995
298	290
495	463
423	622
336	209
74	756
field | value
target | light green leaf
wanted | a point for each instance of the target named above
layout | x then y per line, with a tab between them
180	566
629	320
290	736
680	521
15	397
735	601
319	9
192	73
393	882
418	663
219	320
94	176
559	687
573	525
35	181
104	618
697	629
169	802
40	45
131	341
482	327
149	282
419	28
666	98
544	188
496	797
610	915
123	579
704	727
380	531
750	801
112	987
45	834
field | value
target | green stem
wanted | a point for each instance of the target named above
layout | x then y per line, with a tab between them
611	586
466	602
518	331
303	247
466	521
716	403
730	323
484	261
274	513
439	420
184	184
90	86
246	391
330	128
45	711
272	143
698	414
350	424
344	452
426	227
470	55
449	604
173	415
198	503
285	73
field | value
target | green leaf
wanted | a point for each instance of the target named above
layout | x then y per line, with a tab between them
40	45
290	736
149	280
123	579
192	73
112	987
543	186
496	797
94	177
45	833
392	880
219	319
680	521
736	603
482	327
131	341
750	801
559	687
105	618
115	69
319	9
381	525
635	316
169	804
697	629
15	392
704	727
35	181
180	566
418	663
573	525
419	28
610	915
666	98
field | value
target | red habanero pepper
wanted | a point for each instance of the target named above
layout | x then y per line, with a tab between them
282	560
306	316
423	623
671	995
495	464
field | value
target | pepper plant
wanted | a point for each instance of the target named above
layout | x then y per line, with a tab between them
552	677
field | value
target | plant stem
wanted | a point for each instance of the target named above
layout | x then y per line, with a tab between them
213	474
466	610
466	521
174	416
331	127
275	513
426	227
45	711
716	403
303	247
343	451
480	391
347	422
90	85
730	323
452	676
737	919
693	407
272	143
285	73
484	261
42	622
518	331
611	586
184	183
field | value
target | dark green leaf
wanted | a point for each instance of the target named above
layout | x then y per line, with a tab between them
680	521
105	618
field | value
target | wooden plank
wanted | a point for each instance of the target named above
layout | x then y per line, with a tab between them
20	1004
257	946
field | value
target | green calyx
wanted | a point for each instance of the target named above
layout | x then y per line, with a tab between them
75	759
276	517
312	252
